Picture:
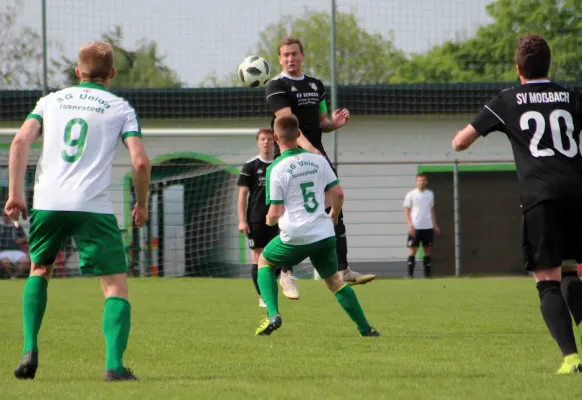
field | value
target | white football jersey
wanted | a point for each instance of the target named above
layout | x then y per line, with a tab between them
298	179
420	205
81	127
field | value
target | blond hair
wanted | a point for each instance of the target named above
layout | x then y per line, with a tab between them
287	128
95	61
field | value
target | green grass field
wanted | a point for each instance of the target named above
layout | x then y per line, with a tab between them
194	338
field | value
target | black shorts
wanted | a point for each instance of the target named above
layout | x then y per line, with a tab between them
422	236
261	235
552	234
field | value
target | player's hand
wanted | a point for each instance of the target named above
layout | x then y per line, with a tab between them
334	216
14	206
437	230
412	231
340	117
243	228
140	215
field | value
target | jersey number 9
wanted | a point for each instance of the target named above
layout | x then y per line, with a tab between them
79	143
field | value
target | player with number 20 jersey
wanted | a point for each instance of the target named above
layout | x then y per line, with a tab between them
542	121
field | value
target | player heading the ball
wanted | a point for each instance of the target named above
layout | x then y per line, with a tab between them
81	127
297	183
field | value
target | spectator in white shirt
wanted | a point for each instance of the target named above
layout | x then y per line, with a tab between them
422	224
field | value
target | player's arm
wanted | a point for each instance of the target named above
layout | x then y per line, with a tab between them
488	120
275	195
244	182
28	133
338	119
407	216
140	168
334	192
279	104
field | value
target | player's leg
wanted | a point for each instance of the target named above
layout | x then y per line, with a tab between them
102	254
346	273
276	253
427	243
255	253
323	256
571	285
412	243
47	231
544	249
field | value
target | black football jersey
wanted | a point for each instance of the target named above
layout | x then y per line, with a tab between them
303	96
542	121
253	175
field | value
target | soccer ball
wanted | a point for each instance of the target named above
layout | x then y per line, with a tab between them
254	71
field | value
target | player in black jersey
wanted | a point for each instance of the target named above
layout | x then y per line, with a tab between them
542	121
293	92
252	219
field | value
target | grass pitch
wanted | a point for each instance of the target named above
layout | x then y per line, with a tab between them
194	338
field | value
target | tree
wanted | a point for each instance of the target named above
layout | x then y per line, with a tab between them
489	55
363	57
21	52
136	69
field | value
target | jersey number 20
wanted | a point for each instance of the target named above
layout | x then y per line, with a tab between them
79	143
572	148
307	196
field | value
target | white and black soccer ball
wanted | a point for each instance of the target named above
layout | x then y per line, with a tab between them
254	71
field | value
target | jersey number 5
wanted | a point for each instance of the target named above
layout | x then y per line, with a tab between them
79	143
540	128
309	195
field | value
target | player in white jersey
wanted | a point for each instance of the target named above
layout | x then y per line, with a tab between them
297	183
81	127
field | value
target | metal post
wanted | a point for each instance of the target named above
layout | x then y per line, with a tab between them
44	51
457	218
333	81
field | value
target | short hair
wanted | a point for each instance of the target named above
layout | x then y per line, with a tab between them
288	41
533	56
421	175
287	128
264	131
95	61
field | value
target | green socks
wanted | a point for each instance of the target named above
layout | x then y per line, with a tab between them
34	298
116	324
349	302
269	290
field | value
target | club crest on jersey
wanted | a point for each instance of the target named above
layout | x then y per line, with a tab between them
313	86
298	158
259	171
86	90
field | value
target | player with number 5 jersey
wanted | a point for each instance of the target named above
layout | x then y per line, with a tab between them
297	184
542	121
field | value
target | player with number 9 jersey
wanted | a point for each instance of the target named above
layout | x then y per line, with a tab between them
83	125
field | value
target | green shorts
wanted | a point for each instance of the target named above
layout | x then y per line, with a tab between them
322	254
97	238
